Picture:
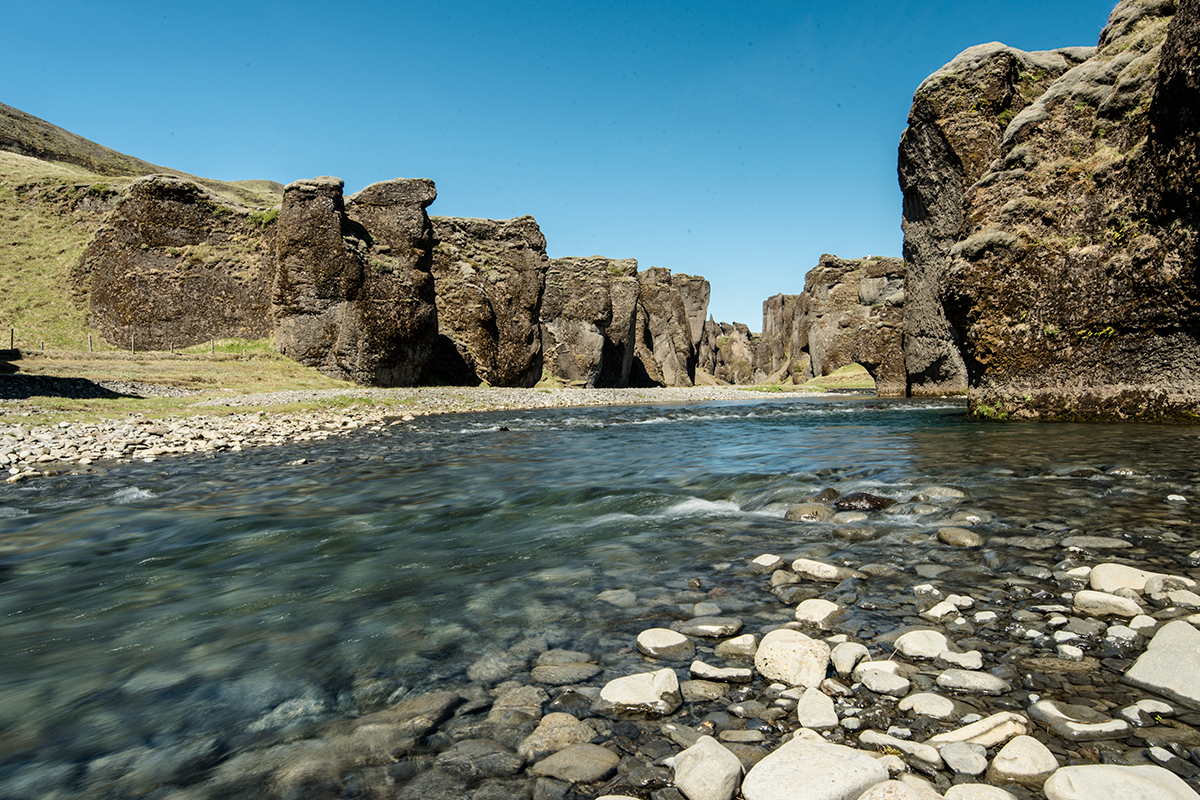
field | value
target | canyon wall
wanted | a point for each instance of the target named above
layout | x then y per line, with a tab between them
1051	225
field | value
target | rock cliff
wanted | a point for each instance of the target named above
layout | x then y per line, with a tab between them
353	301
1065	269
954	132
850	312
727	352
666	338
589	308
489	276
173	266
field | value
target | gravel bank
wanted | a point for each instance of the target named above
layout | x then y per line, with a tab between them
30	452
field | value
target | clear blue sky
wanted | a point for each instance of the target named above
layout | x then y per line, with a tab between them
734	141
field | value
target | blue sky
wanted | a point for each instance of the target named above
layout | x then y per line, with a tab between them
734	141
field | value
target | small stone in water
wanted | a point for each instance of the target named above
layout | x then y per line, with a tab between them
965	758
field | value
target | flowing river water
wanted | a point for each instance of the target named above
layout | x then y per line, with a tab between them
160	620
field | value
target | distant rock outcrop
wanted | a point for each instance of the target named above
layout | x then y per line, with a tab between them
727	352
173	266
665	345
780	353
1066	267
489	276
356	302
854	313
589	308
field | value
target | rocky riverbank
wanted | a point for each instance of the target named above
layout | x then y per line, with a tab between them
1076	681
37	451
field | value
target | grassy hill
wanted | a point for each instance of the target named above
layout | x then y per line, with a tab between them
55	189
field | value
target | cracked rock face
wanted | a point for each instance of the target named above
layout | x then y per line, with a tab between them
1051	225
353	294
489	275
174	266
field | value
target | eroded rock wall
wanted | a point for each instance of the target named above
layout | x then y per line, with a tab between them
355	302
489	276
173	266
954	132
665	350
727	352
1072	280
781	353
589	306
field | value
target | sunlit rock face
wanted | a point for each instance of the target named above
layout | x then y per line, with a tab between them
1051	225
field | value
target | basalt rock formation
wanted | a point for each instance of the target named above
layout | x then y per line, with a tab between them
666	336
489	276
1066	269
854	313
589	309
727	352
353	301
954	132
173	266
850	311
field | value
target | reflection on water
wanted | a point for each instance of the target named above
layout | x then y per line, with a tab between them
203	606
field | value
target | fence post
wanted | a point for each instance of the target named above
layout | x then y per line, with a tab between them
131	348
12	338
89	343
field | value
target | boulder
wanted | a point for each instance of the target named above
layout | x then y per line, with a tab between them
793	658
173	265
707	771
806	769
1113	782
647	694
489	276
341	304
1171	664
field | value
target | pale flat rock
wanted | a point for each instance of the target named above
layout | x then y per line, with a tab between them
666	644
845	657
699	691
744	646
621	598
1091	603
1096	543
579	763
960	537
1023	760
1111	577
925	644
767	562
819	613
710	627
644	694
977	791
525	699
1090	731
820	571
943	611
793	658
1049	712
970	660
564	674
924	753
1171	664
965	758
815	710
883	682
897	790
927	704
555	732
707	672
989	731
1112	782
806	770
965	680
707	771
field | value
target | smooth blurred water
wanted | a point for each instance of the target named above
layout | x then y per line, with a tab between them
225	600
